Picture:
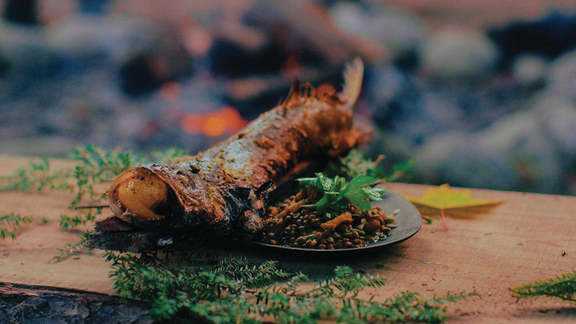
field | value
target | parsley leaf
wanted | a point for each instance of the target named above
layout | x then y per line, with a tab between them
337	191
356	194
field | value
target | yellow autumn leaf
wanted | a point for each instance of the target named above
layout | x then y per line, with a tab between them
444	197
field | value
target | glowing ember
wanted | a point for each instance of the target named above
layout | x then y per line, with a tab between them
226	120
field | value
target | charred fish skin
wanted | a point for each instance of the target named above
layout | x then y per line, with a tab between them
224	189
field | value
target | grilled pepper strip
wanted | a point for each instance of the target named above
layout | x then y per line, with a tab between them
225	187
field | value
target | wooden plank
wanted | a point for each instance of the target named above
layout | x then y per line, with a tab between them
529	237
28	259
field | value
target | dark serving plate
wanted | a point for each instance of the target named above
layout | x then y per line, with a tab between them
408	220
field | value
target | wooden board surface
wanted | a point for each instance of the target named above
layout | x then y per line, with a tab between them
529	237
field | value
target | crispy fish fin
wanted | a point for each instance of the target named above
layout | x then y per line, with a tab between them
353	75
294	93
294	97
306	93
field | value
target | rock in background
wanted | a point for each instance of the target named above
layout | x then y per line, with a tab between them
458	55
484	110
483	105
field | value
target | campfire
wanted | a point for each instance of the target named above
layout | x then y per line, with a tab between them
224	121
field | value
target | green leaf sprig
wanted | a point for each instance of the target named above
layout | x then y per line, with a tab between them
337	191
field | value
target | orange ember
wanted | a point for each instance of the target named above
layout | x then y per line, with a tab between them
226	120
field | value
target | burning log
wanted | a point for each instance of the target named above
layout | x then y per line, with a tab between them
224	190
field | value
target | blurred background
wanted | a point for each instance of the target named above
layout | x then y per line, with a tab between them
475	93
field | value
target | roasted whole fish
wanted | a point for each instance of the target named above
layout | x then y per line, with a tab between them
224	189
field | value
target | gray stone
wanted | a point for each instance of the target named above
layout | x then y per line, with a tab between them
418	115
531	159
398	31
512	154
562	76
15	40
557	116
395	148
386	83
530	69
434	160
110	39
26	54
458	54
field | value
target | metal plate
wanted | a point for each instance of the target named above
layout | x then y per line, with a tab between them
408	219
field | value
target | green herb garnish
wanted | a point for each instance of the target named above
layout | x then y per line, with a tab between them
337	191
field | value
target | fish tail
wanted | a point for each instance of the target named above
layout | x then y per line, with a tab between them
353	75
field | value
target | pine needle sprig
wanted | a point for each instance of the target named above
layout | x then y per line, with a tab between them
400	171
37	176
82	217
9	224
357	164
563	287
235	290
252	275
74	249
97	166
346	282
